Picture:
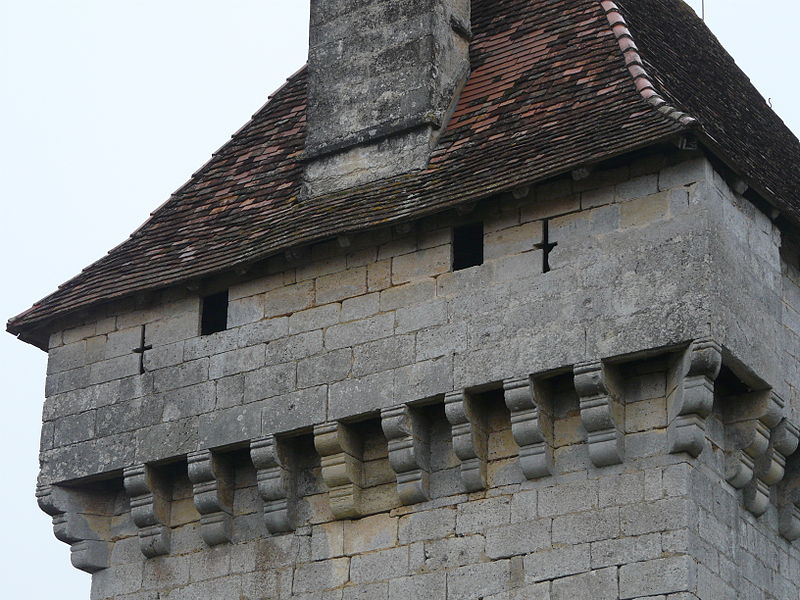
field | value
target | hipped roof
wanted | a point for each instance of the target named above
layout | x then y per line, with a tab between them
555	85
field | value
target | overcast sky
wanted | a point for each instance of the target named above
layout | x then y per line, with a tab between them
109	106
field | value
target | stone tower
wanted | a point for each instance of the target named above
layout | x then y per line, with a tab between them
495	300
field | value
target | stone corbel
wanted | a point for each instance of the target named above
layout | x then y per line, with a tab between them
749	420
535	447
770	468
342	467
789	500
79	522
212	486
602	413
150	497
692	401
470	438
409	452
275	481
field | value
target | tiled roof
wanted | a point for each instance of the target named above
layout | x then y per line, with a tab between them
555	85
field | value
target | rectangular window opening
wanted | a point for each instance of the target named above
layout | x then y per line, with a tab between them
467	246
214	313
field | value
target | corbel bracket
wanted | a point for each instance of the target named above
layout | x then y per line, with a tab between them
602	413
212	486
692	401
150	496
470	438
78	521
276	481
342	465
535	447
749	422
770	468
789	498
409	452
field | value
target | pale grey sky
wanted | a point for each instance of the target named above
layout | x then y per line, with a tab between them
106	107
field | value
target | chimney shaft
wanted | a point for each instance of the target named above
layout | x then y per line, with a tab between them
384	76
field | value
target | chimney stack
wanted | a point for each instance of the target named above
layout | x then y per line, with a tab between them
384	77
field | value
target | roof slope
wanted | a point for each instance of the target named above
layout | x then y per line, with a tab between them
549	91
690	67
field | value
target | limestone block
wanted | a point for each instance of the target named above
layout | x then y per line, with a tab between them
606	553
602	413
557	562
342	465
513	240
295	410
261	331
236	361
294	347
427	525
322	575
425	379
409	452
245	310
479	580
518	539
360	307
383	564
358	332
358	396
693	398
423	263
531	428
383	355
269	381
408	294
414	318
429	586
344	284
229	426
449	552
660	576
150	495
594	585
275	481
470	437
212	488
171	378
81	520
379	275
288	299
325	368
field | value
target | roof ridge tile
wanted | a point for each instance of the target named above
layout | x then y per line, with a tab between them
633	61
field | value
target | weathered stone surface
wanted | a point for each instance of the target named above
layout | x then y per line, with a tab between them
677	308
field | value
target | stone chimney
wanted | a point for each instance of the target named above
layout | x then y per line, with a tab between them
384	77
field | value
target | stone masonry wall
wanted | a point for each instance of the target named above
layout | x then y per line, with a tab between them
498	432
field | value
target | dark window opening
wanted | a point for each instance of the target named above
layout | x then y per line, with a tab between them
467	246
214	313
